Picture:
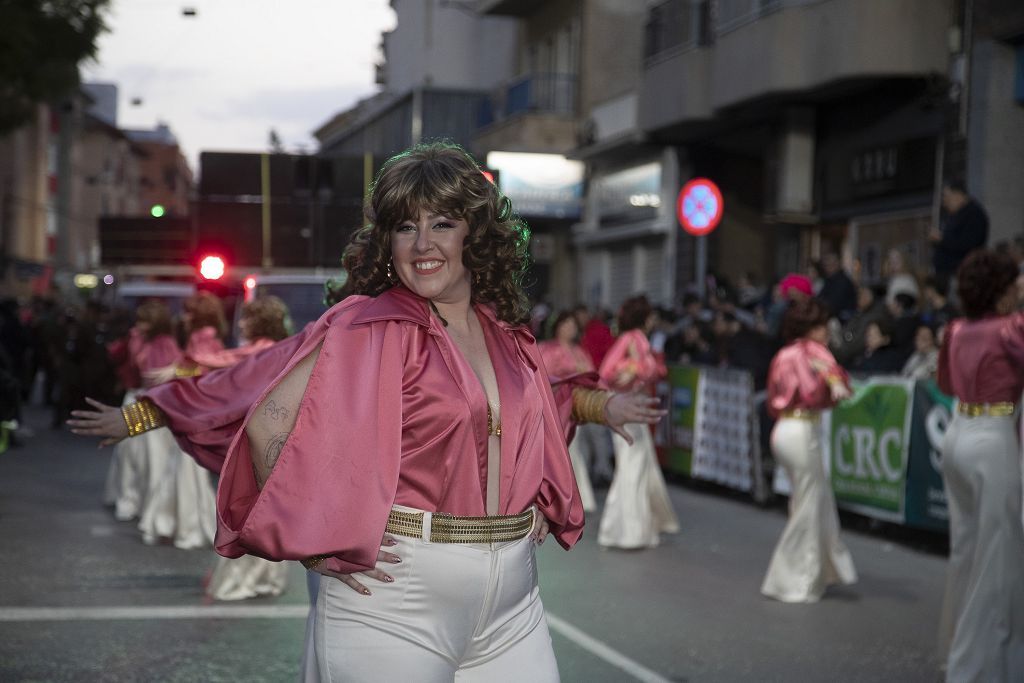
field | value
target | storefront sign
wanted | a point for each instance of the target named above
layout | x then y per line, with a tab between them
699	207
629	195
540	185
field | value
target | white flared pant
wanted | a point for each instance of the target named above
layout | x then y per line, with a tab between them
454	613
810	555
984	605
247	577
637	509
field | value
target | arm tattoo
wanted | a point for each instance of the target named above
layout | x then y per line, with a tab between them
275	411
273	450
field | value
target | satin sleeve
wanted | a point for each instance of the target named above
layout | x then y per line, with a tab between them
336	478
204	413
630	362
1013	339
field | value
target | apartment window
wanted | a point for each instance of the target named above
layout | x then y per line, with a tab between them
677	26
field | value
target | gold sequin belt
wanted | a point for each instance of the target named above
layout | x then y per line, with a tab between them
445	528
1001	409
799	414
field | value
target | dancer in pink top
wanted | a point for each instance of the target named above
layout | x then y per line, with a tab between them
982	363
637	510
803	380
149	346
415	423
564	357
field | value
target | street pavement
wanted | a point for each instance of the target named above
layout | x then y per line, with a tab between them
82	599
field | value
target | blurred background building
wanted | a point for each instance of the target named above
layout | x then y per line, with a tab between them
828	124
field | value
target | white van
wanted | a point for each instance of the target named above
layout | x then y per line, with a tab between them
302	292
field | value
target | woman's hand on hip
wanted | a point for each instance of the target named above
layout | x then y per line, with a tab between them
375	573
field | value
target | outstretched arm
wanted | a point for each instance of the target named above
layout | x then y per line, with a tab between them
274	418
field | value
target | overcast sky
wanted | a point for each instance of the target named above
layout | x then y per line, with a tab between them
223	79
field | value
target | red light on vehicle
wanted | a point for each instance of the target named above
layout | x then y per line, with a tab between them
250	282
212	267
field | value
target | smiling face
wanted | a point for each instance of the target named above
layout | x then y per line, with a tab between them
427	253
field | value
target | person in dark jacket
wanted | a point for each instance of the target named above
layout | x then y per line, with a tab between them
849	345
880	356
964	230
837	291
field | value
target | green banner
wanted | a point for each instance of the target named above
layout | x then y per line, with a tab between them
926	491
677	455
869	439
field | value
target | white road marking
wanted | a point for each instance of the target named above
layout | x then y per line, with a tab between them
605	652
155	612
22	614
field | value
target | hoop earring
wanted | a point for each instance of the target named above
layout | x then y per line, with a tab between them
391	274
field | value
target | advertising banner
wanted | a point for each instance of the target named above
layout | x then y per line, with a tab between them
926	493
683	388
724	428
868	446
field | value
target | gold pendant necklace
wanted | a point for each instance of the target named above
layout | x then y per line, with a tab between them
493	429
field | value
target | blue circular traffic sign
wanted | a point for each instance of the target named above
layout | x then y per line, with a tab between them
699	206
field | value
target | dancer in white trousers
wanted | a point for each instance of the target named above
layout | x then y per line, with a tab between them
803	380
564	357
637	510
412	448
982	364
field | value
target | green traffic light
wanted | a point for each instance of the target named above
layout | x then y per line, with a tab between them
157	211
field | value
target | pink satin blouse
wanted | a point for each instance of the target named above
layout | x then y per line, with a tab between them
564	361
393	414
151	354
212	358
794	381
630	363
203	341
982	361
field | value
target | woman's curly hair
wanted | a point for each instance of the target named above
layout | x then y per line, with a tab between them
983	279
268	317
634	313
157	315
444	179
207	311
803	316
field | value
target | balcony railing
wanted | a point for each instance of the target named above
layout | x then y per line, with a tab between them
543	93
546	93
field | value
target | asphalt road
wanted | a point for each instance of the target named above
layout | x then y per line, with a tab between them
82	599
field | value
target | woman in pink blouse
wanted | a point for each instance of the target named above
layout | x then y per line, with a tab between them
982	363
637	509
150	345
182	501
411	448
803	380
563	357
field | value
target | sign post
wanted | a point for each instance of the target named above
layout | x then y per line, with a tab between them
699	209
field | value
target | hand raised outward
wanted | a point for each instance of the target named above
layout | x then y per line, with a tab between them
839	391
106	421
375	573
626	408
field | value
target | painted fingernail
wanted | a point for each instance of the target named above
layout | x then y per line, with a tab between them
390	541
389	579
365	591
395	559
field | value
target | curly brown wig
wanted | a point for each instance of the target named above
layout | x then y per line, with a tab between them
803	316
982	281
634	313
268	317
444	179
207	311
156	314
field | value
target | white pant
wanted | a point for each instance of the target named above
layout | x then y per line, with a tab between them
455	612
